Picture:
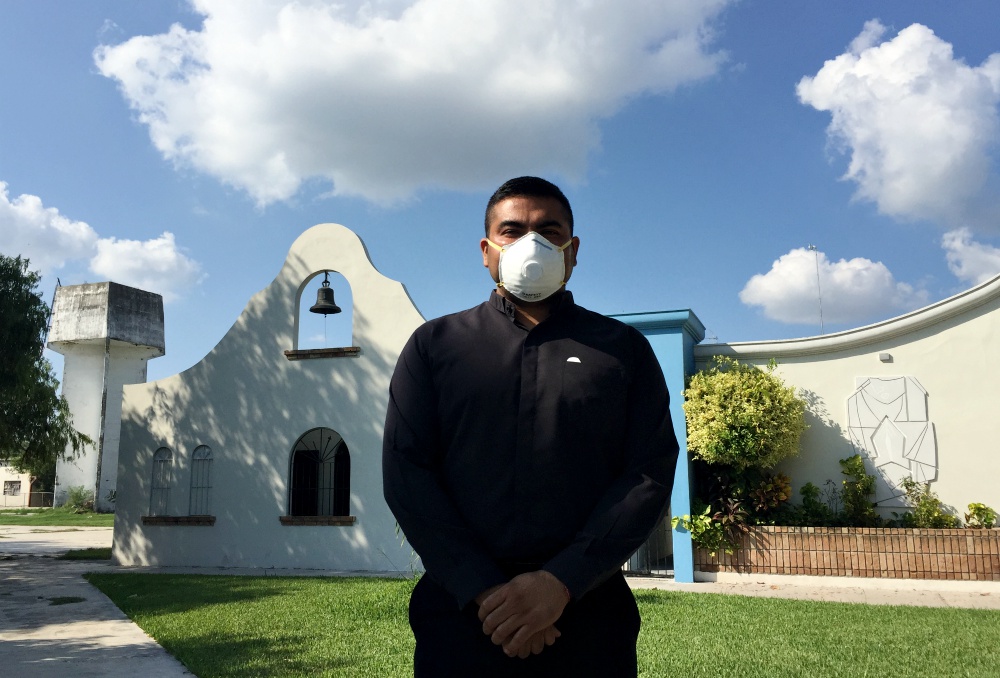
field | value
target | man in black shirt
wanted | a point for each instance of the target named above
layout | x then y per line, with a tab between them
528	452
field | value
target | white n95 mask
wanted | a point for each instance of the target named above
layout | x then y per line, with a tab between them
532	268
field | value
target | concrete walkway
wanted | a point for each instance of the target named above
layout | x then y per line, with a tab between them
54	624
916	592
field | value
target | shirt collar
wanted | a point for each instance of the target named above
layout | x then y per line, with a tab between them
564	301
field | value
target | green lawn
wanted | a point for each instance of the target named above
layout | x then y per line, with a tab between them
222	626
57	517
271	626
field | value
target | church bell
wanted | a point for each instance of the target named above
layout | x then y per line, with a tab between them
325	305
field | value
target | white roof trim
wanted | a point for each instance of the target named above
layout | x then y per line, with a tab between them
862	336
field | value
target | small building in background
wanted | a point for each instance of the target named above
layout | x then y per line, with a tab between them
17	489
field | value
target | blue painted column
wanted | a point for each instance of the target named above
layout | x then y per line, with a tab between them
673	335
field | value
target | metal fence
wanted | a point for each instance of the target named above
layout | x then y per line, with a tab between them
26	500
656	557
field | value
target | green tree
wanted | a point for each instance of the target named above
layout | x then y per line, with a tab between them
742	416
35	423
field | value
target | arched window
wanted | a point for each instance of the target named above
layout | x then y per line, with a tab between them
320	475
159	496
201	481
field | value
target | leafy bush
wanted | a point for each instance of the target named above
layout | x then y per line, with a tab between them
928	511
980	516
742	416
814	511
79	499
856	493
706	532
846	505
770	494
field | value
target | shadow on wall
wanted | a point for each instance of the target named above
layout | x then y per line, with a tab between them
824	443
250	404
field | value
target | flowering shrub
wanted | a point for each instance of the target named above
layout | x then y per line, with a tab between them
742	416
980	516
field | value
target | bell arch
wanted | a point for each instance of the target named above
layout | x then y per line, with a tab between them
332	330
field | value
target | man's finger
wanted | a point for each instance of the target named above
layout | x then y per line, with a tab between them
518	642
505	631
492	602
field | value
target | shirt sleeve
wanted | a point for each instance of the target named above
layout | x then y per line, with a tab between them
629	510
426	513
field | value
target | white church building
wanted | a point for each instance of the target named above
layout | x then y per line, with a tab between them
265	455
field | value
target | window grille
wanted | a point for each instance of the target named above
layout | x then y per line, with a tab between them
12	488
320	475
159	497
201	481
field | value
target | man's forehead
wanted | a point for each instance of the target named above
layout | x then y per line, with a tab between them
536	208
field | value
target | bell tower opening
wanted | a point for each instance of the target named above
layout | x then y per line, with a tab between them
321	325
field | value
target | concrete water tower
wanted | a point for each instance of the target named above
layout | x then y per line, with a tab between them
107	333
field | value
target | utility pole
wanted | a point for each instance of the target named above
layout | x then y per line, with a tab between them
819	289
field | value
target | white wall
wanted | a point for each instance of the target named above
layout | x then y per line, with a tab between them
951	348
82	385
249	403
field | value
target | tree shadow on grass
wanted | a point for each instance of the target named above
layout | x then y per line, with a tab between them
220	625
166	594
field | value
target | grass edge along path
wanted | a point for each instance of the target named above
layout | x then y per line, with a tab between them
96	553
223	626
56	517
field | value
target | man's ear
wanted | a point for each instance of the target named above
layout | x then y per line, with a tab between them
484	245
575	247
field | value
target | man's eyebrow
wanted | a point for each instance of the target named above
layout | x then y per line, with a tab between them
552	222
511	222
521	224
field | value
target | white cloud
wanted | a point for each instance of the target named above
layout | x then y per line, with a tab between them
381	99
51	241
970	261
854	291
156	265
921	125
41	234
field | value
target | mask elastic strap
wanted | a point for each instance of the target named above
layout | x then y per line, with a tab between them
503	248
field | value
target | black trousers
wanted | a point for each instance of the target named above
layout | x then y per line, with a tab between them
599	634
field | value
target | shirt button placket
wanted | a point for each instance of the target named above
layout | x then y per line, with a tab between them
526	413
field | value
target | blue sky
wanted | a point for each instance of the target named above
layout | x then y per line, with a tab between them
182	147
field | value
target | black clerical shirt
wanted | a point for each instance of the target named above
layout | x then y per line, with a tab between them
508	449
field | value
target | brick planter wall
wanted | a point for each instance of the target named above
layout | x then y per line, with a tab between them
894	553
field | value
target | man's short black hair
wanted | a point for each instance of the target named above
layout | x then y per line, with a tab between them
530	187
